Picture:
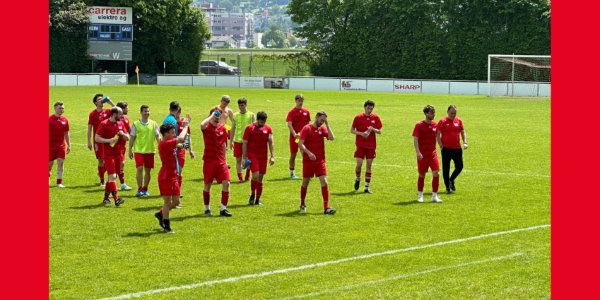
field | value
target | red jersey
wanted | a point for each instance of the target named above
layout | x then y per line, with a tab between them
214	143
313	138
258	140
181	151
109	130
96	117
361	123
58	127
122	143
427	133
299	118
450	130
166	150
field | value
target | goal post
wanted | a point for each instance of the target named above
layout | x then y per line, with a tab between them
518	75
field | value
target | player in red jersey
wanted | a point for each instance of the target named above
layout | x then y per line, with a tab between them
187	144
312	146
449	129
59	136
257	136
215	165
365	126
122	145
108	135
296	119
168	174
424	138
96	116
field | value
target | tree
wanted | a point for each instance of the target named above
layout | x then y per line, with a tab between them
68	37
274	37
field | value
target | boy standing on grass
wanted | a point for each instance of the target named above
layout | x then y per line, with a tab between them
109	133
257	137
96	116
296	119
215	165
424	138
242	119
141	145
59	134
168	183
365	126
121	146
312	146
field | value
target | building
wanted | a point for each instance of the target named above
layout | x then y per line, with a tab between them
221	42
239	26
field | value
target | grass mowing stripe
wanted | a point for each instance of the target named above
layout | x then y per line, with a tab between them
401	276
321	264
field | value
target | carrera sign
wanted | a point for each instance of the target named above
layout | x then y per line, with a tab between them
110	15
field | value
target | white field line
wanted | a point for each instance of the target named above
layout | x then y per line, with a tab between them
402	276
318	265
414	167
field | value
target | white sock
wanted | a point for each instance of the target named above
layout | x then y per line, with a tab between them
420	194
223	207
433	195
206	207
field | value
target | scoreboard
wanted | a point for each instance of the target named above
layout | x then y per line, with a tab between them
110	32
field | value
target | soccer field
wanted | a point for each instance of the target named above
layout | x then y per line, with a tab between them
490	239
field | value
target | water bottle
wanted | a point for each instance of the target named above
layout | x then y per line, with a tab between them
217	113
247	163
186	141
105	99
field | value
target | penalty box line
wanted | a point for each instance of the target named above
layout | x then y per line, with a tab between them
320	264
402	276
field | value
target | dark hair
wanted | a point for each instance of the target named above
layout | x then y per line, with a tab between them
242	100
428	108
321	113
114	110
173	106
122	104
261	115
96	96
369	102
57	103
164	128
299	96
451	107
143	106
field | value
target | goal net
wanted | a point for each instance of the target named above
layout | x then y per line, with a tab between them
518	75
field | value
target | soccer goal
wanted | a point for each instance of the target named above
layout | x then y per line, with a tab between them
518	75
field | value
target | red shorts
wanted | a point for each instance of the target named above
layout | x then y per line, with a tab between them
237	149
168	187
293	145
99	150
145	160
57	152
259	166
364	153
428	161
110	164
212	171
313	168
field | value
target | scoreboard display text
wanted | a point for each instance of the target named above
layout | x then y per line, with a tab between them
110	32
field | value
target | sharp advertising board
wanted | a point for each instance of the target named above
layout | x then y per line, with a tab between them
110	33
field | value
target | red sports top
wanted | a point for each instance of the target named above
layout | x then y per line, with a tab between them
109	130
58	127
258	140
426	132
96	117
122	143
450	130
361	123
313	138
166	150
298	117
214	143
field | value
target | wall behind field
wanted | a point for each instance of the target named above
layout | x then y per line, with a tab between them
87	79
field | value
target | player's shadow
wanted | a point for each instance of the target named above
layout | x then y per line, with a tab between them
295	214
83	186
147	208
283	179
200	215
240	206
350	193
91	206
144	234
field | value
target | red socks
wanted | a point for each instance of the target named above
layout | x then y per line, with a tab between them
224	198
240	176
302	195
101	173
253	186
206	196
325	193
420	184
435	183
367	178
259	186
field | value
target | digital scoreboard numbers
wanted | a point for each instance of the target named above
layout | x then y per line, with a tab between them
110	33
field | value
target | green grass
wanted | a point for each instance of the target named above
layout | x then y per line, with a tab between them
99	251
